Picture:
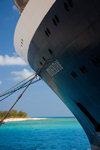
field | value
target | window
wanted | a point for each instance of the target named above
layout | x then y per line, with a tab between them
21	42
70	3
74	75
50	51
55	20
83	69
44	59
66	6
40	63
47	32
96	61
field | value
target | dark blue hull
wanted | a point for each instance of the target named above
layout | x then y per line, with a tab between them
70	37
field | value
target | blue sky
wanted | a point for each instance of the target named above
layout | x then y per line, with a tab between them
39	100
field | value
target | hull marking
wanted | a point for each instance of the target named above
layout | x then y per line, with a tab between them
54	68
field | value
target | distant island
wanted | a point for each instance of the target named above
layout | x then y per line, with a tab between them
15	116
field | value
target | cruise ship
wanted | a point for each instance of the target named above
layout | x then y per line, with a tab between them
67	33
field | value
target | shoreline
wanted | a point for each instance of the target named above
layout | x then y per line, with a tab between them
21	119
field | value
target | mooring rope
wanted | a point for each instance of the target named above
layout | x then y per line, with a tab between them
11	92
16	85
35	75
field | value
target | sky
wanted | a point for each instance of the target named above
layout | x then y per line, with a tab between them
39	100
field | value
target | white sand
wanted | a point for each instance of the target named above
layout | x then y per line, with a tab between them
22	119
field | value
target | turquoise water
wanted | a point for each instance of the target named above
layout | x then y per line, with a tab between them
49	134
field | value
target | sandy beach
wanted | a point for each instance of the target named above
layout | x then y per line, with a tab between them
21	119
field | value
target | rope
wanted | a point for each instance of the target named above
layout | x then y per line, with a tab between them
6	95
38	71
15	88
16	85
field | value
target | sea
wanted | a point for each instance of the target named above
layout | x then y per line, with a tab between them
48	134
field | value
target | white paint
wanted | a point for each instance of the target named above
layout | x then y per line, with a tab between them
28	23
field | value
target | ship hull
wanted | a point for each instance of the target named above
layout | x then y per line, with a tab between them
68	39
78	93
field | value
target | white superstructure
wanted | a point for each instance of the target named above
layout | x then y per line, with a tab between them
28	23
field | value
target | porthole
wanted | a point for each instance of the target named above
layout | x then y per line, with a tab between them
44	59
95	63
74	75
47	32
70	3
83	69
66	6
21	43
50	51
55	20
40	63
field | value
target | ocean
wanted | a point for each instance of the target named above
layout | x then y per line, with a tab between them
48	134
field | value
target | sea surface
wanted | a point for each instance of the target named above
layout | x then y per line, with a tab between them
48	134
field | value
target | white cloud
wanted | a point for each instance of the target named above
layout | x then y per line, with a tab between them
20	75
0	82
14	8
13	60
